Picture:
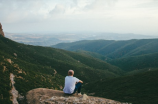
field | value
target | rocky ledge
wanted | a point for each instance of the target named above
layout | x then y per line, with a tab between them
49	96
1	30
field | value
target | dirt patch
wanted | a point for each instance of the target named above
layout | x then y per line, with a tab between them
4	68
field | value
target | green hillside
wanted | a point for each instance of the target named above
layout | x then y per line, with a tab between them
34	67
93	54
132	56
137	63
136	89
137	58
38	67
87	45
113	49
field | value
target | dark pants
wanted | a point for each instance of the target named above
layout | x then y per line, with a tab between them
78	87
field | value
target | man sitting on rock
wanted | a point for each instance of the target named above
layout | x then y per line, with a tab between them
72	84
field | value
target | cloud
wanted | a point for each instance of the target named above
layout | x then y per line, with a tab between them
148	4
59	9
21	11
80	15
100	4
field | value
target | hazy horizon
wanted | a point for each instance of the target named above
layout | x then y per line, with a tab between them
71	16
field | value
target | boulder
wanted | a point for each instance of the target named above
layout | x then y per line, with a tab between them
50	96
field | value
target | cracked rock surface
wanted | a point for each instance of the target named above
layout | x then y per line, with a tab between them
49	96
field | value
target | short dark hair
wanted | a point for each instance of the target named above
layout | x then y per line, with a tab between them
70	72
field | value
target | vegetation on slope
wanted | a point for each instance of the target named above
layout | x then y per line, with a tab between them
93	54
148	61
34	66
4	83
137	58
113	49
132	56
25	78
137	89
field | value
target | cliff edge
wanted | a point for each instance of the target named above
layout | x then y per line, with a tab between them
49	96
1	30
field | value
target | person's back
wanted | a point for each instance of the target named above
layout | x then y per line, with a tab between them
72	84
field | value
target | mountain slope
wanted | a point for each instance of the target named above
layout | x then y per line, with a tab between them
35	66
87	45
135	63
113	49
137	89
93	54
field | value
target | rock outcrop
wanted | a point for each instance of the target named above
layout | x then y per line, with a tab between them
1	30
13	91
49	96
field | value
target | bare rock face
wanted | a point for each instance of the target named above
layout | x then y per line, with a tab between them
1	30
13	91
49	96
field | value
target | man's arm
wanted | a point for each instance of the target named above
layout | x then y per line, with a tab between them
80	81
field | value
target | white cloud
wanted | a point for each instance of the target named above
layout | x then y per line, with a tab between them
59	9
132	16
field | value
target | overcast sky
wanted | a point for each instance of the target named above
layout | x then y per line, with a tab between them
116	16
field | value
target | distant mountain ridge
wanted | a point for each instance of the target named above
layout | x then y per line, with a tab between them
48	39
113	49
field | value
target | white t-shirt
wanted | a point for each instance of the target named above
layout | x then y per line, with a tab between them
70	83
